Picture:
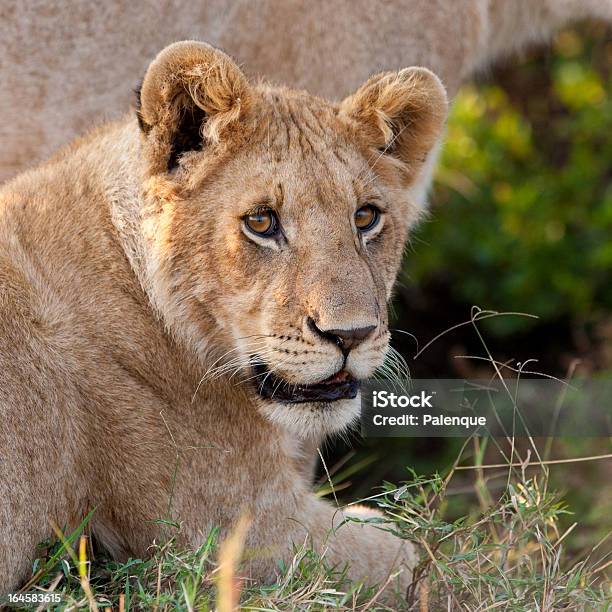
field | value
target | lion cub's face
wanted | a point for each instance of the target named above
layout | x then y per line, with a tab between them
278	251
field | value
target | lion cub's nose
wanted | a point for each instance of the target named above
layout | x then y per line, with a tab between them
346	339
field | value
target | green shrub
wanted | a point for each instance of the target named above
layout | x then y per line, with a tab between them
522	212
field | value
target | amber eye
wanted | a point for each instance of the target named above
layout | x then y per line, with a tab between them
262	222
367	217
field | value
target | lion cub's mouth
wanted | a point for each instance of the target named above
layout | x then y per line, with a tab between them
269	386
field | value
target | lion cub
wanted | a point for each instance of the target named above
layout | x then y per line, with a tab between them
191	295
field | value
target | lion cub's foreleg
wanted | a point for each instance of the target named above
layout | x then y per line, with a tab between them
372	555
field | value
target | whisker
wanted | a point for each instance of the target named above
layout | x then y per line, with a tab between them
401	331
212	370
255	336
238	362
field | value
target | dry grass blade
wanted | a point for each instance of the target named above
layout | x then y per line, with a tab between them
534	463
229	584
80	562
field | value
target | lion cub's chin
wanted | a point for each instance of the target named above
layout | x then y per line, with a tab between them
313	420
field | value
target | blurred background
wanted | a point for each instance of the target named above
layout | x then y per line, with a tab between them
521	221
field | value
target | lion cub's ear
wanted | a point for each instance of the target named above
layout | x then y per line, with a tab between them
190	93
402	114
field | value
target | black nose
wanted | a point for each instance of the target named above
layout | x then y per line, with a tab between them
346	339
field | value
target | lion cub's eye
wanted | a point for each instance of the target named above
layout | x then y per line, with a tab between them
263	222
367	217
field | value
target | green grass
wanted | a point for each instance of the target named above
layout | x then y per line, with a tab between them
508	553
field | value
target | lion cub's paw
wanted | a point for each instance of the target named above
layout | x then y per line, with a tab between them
381	557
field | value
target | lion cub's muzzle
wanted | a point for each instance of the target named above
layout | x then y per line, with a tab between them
339	386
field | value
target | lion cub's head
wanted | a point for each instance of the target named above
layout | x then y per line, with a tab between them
275	223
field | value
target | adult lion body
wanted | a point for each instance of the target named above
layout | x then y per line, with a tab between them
136	259
68	65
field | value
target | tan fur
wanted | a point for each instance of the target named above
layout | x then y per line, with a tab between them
125	282
68	65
